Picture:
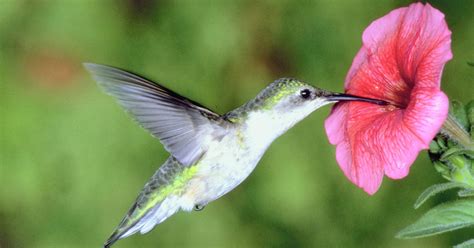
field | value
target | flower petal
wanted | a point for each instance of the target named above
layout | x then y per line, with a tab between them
406	47
423	45
348	150
401	61
426	113
335	124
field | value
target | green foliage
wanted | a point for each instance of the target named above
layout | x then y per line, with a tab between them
435	189
443	218
466	193
459	111
451	159
467	244
455	163
470	116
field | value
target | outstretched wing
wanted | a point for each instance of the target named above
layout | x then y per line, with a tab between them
184	127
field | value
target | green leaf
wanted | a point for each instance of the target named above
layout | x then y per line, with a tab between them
435	189
466	244
443	218
469	154
466	192
442	169
451	152
470	116
470	111
441	143
458	110
434	147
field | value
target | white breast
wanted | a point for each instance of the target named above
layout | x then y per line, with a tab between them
228	162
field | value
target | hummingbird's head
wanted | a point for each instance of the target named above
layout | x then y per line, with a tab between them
288	100
282	104
289	95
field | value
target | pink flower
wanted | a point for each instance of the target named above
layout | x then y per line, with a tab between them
401	61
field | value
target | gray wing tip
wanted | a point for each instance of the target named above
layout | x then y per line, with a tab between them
98	73
104	74
90	66
96	68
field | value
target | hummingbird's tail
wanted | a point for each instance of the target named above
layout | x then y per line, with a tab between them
162	196
130	225
113	238
124	226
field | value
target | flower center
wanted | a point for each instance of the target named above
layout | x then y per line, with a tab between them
398	93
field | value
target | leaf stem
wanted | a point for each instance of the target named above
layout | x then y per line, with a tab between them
457	133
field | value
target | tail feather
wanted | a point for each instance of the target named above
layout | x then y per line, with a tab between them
167	208
160	198
122	228
113	238
155	216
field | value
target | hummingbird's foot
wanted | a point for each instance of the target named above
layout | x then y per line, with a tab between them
198	207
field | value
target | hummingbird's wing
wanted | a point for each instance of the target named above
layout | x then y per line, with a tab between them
184	127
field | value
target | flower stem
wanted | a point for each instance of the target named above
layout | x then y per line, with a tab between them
457	133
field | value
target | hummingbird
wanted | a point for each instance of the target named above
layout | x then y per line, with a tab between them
210	154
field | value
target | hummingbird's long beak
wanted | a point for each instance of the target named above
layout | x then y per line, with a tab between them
347	97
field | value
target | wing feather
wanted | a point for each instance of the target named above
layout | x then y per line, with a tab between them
183	126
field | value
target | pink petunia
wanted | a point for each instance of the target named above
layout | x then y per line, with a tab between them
401	61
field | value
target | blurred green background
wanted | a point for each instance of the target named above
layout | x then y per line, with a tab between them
72	161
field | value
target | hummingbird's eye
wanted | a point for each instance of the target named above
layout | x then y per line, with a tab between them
305	93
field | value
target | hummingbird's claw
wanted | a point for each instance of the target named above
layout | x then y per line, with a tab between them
198	207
